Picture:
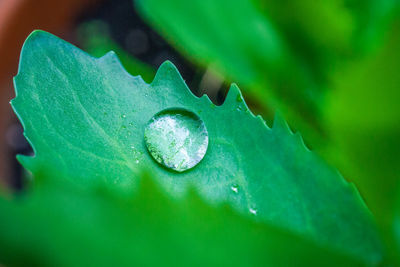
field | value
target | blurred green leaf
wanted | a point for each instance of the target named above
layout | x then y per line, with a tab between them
281	52
58	224
238	41
363	119
396	227
324	31
95	40
85	117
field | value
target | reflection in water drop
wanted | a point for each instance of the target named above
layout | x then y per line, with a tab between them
253	211
176	138
235	188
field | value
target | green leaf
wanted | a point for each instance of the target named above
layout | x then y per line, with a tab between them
392	232
396	226
58	224
317	32
363	119
326	30
244	46
86	118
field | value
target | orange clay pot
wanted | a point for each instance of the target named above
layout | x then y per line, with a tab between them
17	19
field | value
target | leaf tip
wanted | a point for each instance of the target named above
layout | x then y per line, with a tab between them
235	99
26	161
33	37
280	123
282	126
300	139
35	34
168	76
166	69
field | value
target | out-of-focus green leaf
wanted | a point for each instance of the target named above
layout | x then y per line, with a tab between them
86	117
306	17
396	226
96	41
318	32
371	19
323	30
363	119
58	224
280	52
238	41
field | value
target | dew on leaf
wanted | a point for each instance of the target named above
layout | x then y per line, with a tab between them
235	188
176	138
253	211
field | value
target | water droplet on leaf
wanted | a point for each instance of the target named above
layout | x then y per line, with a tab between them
235	188
176	138
240	108
253	211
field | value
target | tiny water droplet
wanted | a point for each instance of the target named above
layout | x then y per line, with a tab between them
176	138
137	161
253	211
240	108
123	116
235	188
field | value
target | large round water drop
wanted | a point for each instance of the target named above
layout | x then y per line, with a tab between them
176	138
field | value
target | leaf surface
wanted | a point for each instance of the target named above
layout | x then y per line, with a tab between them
86	117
